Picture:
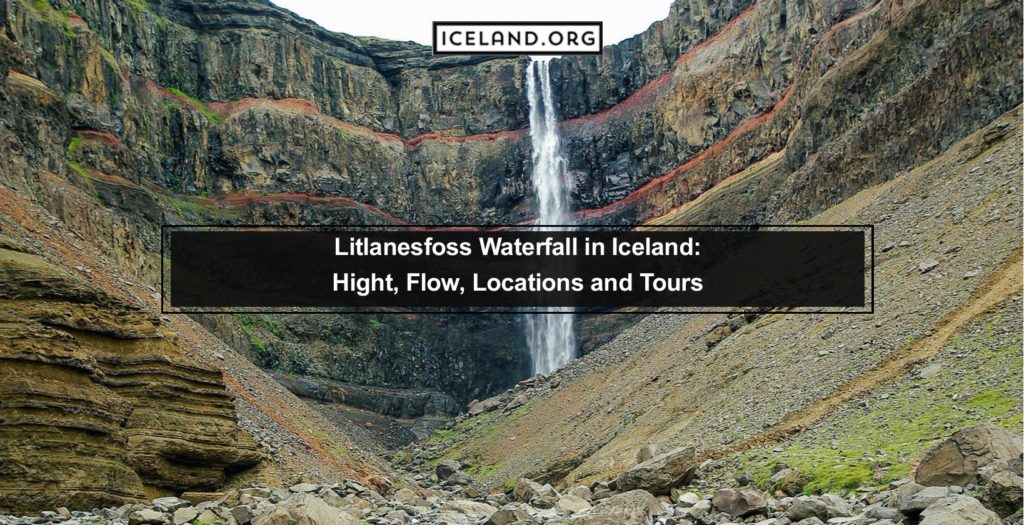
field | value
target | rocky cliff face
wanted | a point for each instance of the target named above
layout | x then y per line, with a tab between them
120	115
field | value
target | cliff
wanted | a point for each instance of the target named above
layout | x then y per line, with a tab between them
121	115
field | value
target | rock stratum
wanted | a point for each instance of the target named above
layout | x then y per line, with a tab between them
122	115
99	405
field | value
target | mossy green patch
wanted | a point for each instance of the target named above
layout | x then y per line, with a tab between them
76	167
136	5
975	378
196	103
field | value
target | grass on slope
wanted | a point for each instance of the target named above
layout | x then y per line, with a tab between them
976	378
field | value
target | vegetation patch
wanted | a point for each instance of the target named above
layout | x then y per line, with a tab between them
975	379
196	103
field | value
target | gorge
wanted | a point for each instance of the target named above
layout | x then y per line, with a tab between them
120	116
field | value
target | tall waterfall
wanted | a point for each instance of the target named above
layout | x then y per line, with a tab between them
551	337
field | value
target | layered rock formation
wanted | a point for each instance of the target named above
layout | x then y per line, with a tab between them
807	403
121	115
99	405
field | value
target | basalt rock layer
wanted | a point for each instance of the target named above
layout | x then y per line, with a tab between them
121	115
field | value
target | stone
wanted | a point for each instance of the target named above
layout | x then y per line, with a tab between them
169	504
878	511
409	497
646	452
601	490
958	510
899	496
570	504
807	507
242	514
484	406
508	515
958	459
212	518
699	509
184	515
540	496
740	503
447	468
634	507
928	265
661	473
786	480
147	517
306	509
686	499
582	492
922	499
304	487
1004	493
836	507
464	511
397	517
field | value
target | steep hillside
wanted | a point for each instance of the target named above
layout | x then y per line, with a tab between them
850	400
120	116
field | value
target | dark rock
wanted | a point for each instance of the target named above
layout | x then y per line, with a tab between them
447	468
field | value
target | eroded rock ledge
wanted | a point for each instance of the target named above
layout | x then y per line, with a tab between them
98	406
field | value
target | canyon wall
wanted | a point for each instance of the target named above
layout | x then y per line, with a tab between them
192	112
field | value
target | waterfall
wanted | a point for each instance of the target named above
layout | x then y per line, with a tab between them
550	337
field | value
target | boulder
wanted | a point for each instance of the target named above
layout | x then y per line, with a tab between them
922	499
958	510
185	515
242	514
508	515
199	497
1004	493
447	468
484	406
582	492
878	511
304	487
569	504
661	473
397	516
628	508
836	507
409	497
807	507
740	503
540	496
600	490
306	509
685	499
464	511
958	459
787	480
147	517
698	510
169	504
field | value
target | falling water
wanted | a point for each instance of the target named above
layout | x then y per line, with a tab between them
550	337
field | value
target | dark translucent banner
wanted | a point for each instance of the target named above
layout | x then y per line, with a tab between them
467	269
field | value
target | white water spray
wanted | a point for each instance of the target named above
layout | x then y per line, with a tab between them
551	337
